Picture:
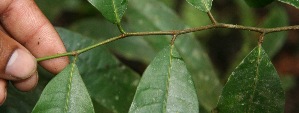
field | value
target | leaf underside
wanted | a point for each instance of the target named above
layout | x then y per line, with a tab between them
166	86
65	93
254	87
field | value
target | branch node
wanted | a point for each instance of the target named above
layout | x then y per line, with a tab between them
173	39
120	28
75	53
123	35
261	39
213	20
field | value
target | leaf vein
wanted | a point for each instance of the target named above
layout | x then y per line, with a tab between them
115	11
168	78
69	89
255	79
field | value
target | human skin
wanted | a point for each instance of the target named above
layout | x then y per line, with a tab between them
26	34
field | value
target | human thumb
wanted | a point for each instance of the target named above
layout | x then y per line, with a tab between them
16	63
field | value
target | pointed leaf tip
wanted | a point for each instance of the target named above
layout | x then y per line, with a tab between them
112	10
166	86
66	93
254	86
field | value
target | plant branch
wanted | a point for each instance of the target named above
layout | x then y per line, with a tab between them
173	39
262	31
120	28
78	52
261	39
213	20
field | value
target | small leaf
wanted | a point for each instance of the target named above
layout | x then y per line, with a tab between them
294	3
258	3
254	87
166	86
112	10
66	92
203	5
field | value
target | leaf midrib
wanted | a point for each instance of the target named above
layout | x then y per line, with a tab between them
167	80
115	12
69	89
255	80
206	5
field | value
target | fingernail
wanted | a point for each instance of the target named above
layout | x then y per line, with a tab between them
21	64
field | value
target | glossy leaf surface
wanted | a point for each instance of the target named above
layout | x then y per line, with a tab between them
65	93
156	17
110	83
112	10
254	87
258	3
294	3
166	86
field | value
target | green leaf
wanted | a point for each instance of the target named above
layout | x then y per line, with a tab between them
258	3
169	3
129	48
138	18
166	86
147	14
274	41
247	18
55	9
254	87
66	92
189	14
109	82
112	10
294	3
203	5
95	28
23	102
